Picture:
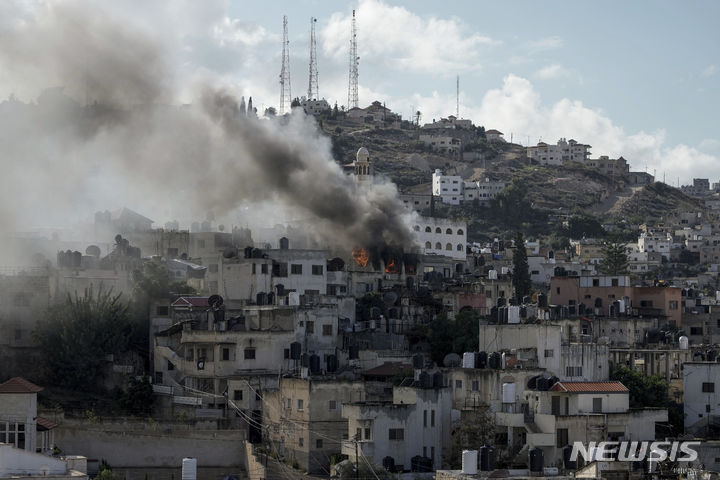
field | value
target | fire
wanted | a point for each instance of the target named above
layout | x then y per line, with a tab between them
361	256
391	267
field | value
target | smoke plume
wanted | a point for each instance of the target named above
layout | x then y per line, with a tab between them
109	136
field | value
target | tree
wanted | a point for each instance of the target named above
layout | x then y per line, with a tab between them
270	112
580	226
295	103
453	336
511	206
614	258
644	391
77	335
475	429
138	397
521	271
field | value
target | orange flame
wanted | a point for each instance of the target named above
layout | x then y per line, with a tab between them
391	267
361	256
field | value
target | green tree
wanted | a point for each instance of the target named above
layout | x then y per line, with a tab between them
580	226
137	398
614	258
295	102
521	271
475	429
511	206
644	391
453	336
77	335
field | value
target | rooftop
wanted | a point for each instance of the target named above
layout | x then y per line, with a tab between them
19	385
589	387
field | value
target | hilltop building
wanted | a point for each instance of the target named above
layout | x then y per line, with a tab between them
565	151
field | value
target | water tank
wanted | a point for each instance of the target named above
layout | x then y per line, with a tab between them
469	462
537	461
304	360
284	243
425	380
508	392
501	302
437	380
567	453
487	458
189	469
542	300
683	342
513	314
388	463
354	352
418	361
332	363
295	350
482	359
494	360
542	384
314	364
468	360
261	298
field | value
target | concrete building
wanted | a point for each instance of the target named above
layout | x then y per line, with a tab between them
614	167
304	417
417	202
493	135
442	143
656	243
564	151
448	187
314	106
20	425
701	385
449	123
416	423
483	191
17	463
439	236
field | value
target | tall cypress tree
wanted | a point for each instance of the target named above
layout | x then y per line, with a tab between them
521	271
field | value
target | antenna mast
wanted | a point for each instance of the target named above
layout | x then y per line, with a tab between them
285	95
353	81
313	84
457	98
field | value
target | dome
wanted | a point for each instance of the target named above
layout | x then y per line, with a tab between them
362	155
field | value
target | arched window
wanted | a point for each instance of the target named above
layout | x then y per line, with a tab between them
428	230
438	246
448	231
448	246
459	247
416	228
438	230
460	231
428	245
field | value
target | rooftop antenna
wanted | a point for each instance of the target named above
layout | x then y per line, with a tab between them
313	83
353	76
457	97
285	95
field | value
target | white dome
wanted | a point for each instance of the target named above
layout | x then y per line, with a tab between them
362	154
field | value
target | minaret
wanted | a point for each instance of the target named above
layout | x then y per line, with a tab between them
250	111
242	105
363	167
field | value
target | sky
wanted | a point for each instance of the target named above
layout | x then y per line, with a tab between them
638	79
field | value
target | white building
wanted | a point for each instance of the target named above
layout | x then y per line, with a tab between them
447	187
416	423
564	151
660	243
442	143
494	136
440	236
18	464
484	191
20	425
314	107
701	384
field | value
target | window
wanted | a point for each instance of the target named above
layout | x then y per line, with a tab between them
432	418
596	282
696	331
460	231
459	247
475	385
310	326
317	269
438	246
557	290
327	330
254	268
237	395
673	305
614	282
162	311
264	268
332	405
396	434
318	443
646	303
708	387
226	354
296	269
13	433
301	442
428	245
170	366
448	231
597	405
424	418
561	438
549	353
448	246
428	230
573	371
438	230
249	354
458	383
300	405
416	227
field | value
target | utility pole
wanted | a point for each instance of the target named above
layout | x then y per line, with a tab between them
313	93
457	98
353	74
285	94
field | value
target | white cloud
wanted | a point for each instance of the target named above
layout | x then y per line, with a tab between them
234	31
551	72
544	44
709	71
406	41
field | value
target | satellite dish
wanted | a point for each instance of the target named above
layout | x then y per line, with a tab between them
452	360
215	301
93	250
390	298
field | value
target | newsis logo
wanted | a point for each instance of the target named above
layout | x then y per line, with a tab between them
634	451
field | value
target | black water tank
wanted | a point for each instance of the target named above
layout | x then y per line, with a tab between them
304	360
532	382
418	361
314	363
437	380
512	301
501	302
494	360
295	350
567	453
487	458
354	352
420	464
261	298
537	461
284	243
248	252
542	300
482	359
332	363
388	464
425	380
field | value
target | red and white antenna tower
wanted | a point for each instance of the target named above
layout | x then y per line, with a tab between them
313	83
285	95
353	80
